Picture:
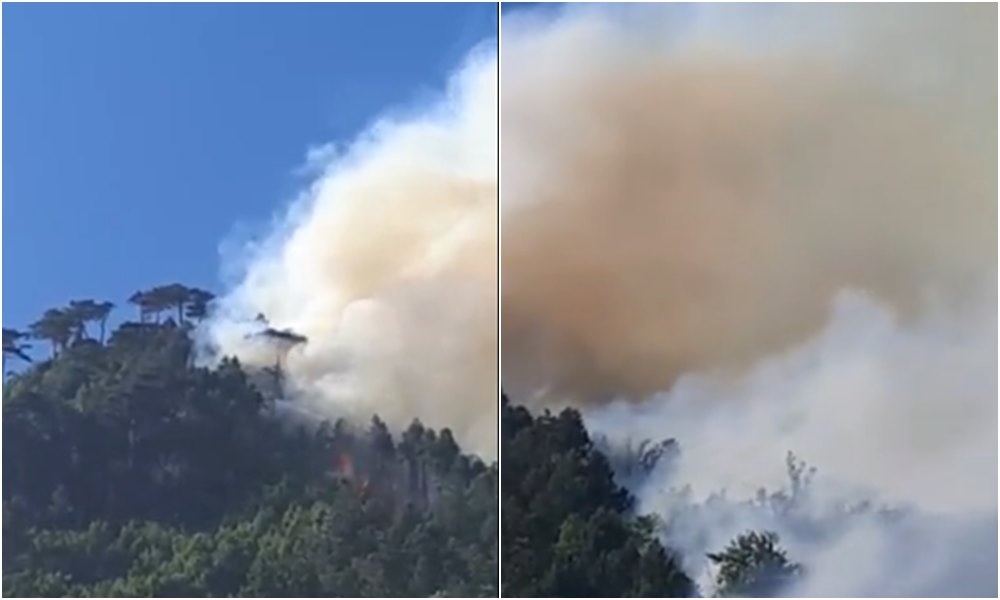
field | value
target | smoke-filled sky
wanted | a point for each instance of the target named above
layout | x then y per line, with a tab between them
761	229
699	204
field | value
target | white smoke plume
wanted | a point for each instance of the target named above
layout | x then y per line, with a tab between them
895	414
387	264
761	229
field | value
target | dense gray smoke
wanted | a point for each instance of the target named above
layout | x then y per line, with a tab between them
768	228
387	264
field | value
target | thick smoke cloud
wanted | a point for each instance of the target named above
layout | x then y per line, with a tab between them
388	265
901	415
698	207
761	229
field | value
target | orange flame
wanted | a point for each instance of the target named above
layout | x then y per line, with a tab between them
345	466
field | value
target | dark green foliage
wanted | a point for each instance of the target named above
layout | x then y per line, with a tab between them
567	530
182	301
14	347
56	326
753	565
128	472
197	304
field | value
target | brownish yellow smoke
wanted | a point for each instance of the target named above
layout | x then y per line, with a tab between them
687	202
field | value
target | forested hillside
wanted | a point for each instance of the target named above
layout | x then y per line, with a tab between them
128	471
569	530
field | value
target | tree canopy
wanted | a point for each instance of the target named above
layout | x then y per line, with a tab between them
130	472
754	565
567	527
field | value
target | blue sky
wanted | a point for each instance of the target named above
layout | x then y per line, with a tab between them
137	137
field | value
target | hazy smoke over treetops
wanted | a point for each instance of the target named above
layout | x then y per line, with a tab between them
388	265
760	229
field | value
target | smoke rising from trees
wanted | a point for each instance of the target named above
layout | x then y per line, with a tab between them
387	264
761	229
